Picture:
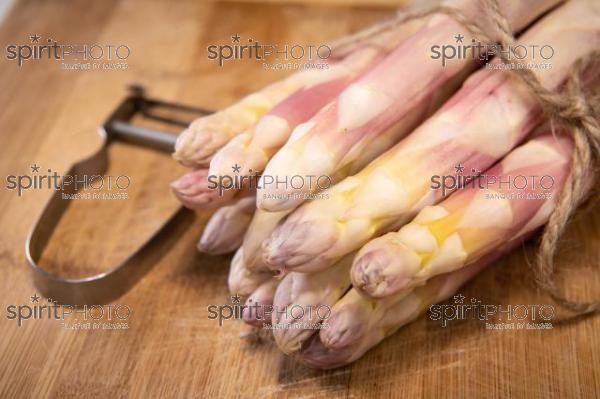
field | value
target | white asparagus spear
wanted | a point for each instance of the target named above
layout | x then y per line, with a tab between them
314	294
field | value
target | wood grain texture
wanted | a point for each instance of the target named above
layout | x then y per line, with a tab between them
48	116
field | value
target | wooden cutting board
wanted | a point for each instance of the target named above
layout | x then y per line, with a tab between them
48	116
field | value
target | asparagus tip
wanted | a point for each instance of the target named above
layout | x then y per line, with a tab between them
297	246
384	270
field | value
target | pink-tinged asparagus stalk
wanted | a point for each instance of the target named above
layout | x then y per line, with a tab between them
241	281
491	114
196	145
402	90
263	223
507	202
377	319
252	149
308	299
246	154
225	230
259	304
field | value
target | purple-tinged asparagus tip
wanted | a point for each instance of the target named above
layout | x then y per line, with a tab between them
297	246
219	243
193	191
379	272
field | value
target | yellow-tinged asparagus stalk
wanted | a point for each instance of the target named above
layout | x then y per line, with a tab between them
196	145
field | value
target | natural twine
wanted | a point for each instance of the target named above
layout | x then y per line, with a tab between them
570	109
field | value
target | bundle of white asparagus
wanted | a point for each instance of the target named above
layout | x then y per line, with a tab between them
460	133
383	243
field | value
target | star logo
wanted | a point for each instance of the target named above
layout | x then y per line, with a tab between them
459	168
35	298
35	38
235	38
34	168
459	298
459	38
236	168
235	298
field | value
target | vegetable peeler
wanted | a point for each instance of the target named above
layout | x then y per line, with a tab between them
107	286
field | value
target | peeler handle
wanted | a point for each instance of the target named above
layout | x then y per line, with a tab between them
118	125
142	135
